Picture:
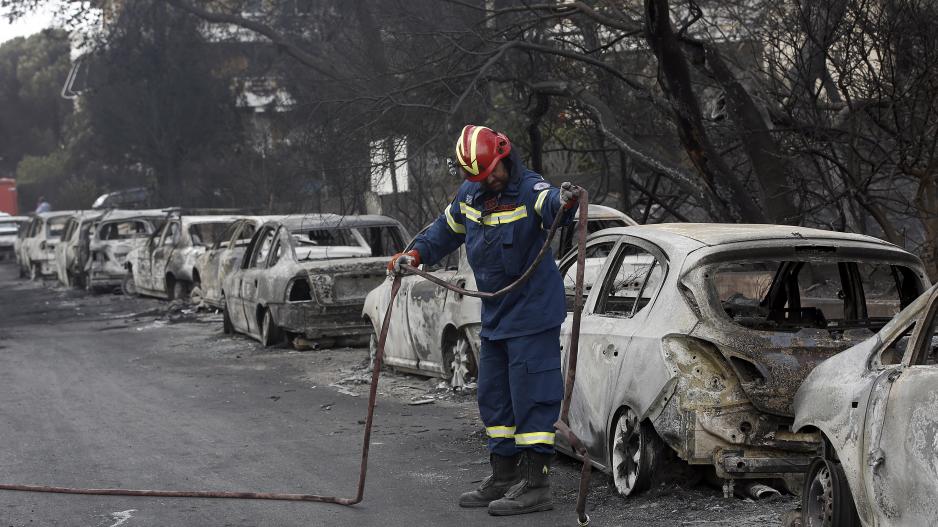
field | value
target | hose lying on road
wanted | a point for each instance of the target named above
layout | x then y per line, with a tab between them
561	425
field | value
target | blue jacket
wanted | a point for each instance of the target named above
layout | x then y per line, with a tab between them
503	234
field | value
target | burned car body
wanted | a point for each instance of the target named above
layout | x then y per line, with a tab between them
9	234
308	276
72	251
435	331
876	406
163	266
695	337
224	256
37	248
112	238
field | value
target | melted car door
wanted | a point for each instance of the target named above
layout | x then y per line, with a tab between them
143	272
231	258
630	280
251	276
901	469
597	254
425	303
161	254
211	277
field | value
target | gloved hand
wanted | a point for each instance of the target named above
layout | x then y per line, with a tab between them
411	258
568	195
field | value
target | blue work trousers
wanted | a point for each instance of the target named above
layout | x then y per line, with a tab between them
520	391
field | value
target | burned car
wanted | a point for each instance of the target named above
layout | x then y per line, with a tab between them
308	276
71	253
37	248
9	234
163	266
112	239
435	331
695	338
876	408
224	256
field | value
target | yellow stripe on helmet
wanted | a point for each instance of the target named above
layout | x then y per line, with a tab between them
459	149
473	142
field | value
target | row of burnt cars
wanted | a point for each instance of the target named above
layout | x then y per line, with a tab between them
789	356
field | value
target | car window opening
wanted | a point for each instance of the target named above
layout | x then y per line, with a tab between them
207	233
832	295
124	230
630	288
321	244
55	227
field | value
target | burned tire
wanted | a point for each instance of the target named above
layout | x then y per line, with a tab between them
271	334
459	361
637	453
195	295
128	286
826	500
226	326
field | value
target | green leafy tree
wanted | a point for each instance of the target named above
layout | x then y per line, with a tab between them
32	113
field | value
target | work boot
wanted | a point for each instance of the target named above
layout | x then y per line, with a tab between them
532	493
505	473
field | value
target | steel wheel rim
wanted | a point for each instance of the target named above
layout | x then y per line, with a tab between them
627	452
821	498
459	366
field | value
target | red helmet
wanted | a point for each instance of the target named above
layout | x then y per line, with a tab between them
479	149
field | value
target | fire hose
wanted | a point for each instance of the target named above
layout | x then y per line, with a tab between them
562	424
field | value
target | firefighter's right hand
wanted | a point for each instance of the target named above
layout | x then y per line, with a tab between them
411	258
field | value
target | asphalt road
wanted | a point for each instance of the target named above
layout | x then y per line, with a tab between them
107	391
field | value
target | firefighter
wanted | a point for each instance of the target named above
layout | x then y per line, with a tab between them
502	212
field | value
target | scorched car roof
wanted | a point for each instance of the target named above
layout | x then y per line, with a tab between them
325	221
724	233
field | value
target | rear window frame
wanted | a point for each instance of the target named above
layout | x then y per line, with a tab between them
708	298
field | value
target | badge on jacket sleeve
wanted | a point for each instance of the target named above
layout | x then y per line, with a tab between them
541	185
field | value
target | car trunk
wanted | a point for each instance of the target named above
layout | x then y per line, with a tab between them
346	281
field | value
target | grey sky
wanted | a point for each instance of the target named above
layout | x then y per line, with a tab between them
27	25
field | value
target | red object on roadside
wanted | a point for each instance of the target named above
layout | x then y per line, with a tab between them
8	196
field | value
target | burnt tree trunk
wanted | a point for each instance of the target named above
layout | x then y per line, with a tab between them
675	80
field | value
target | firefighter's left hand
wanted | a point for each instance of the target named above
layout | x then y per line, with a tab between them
568	195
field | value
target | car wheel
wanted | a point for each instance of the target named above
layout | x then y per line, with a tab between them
128	286
226	326
637	452
271	334
22	270
826	500
460	364
34	272
195	295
